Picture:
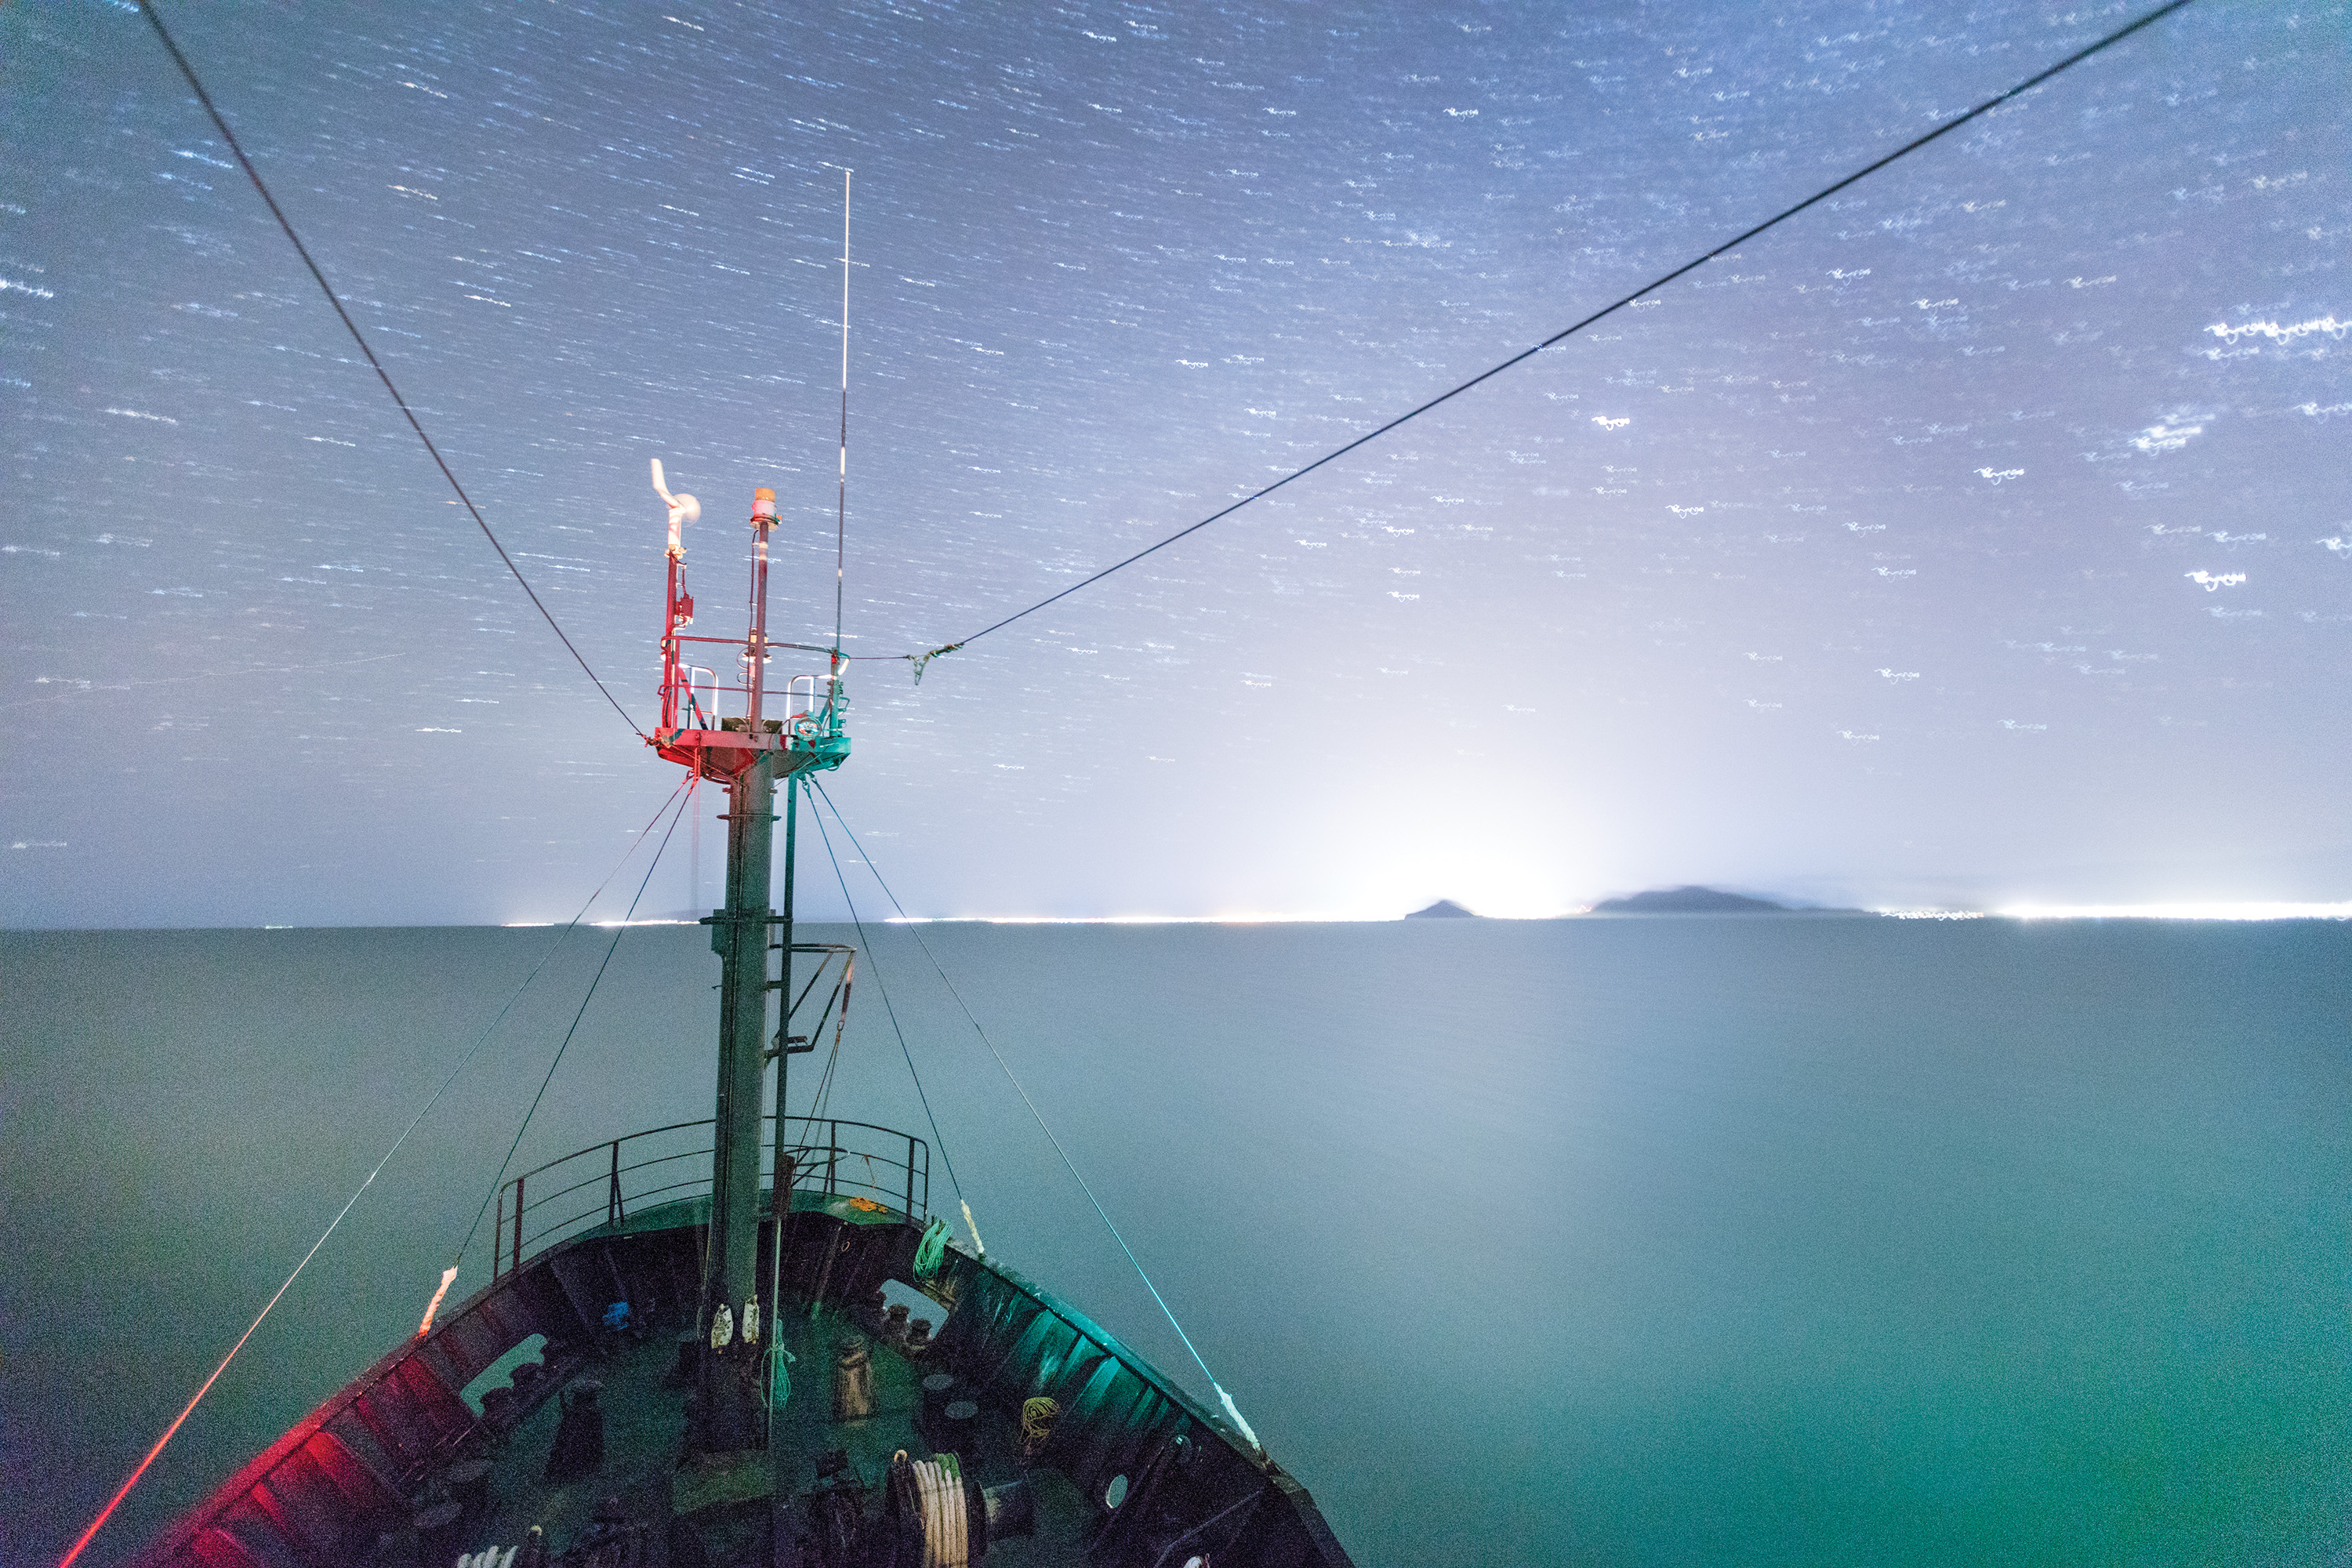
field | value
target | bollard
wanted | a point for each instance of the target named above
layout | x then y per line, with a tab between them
439	1527
468	1481
1010	1509
853	1379
957	1428
579	1447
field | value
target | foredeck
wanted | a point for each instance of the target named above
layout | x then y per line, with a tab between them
731	1508
443	1448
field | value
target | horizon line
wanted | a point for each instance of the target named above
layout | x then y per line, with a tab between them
2232	910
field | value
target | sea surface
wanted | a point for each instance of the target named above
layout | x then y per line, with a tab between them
1695	1240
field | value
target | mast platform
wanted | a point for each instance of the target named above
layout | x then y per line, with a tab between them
803	744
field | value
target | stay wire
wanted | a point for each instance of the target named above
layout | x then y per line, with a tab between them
148	8
472	1051
875	963
596	980
1067	1164
2077	57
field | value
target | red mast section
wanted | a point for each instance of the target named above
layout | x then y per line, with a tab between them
691	731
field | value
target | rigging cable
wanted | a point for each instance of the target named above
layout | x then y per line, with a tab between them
320	277
1222	1397
863	942
475	1049
618	932
919	660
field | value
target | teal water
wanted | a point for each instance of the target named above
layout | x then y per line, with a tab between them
1736	1240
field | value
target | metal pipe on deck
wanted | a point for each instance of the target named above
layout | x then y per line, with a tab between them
782	1182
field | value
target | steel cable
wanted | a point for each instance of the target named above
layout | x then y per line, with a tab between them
206	1387
619	932
1067	1164
919	660
864	942
147	8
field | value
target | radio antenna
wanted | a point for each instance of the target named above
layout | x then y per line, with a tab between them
841	515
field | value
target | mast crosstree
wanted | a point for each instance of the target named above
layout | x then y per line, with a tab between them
748	753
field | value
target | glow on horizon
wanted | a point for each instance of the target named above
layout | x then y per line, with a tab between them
2256	911
1223	920
1231	920
600	925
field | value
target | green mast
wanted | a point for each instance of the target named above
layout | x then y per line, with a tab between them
748	755
731	1289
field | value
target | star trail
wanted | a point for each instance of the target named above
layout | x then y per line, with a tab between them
1974	536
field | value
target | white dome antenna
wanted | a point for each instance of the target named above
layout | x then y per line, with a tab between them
683	509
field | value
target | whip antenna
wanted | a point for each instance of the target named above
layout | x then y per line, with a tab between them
841	515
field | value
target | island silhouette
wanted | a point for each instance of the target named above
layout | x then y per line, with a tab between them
1696	901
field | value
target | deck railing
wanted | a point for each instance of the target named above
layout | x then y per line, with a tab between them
605	1182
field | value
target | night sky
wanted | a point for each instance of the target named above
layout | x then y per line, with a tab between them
1980	535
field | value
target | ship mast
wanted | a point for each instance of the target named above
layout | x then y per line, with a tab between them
747	754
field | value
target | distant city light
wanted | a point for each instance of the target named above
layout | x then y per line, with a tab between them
2194	911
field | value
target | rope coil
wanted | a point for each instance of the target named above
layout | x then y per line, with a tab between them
930	1493
1037	1418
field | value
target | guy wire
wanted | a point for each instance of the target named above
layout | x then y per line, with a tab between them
1035	1114
619	932
864	942
320	277
919	660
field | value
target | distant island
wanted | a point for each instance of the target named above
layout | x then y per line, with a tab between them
1444	909
1702	901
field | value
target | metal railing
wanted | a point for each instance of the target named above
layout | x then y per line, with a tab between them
692	689
604	1184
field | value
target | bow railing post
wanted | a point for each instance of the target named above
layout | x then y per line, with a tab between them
614	1214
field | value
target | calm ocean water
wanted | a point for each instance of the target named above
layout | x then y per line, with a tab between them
1734	1240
